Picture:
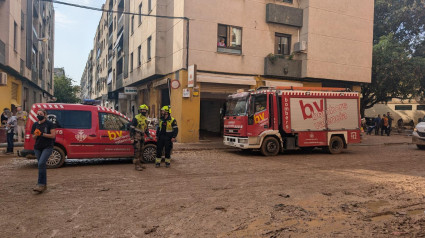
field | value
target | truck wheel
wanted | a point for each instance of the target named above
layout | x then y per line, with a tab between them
335	145
56	159
421	147
149	153
270	146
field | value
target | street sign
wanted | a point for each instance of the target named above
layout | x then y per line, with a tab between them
186	93
130	90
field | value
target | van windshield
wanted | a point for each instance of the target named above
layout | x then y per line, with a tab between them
236	106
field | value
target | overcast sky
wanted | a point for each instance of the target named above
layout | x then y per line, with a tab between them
74	33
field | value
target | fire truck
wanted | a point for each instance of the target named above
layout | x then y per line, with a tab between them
273	120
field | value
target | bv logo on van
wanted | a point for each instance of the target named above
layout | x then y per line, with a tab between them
80	136
114	134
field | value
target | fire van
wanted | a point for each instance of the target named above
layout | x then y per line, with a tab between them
287	118
86	131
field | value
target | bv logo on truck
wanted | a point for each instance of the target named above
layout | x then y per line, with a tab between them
259	118
312	109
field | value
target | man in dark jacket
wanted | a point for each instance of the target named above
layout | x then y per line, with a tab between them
377	123
166	134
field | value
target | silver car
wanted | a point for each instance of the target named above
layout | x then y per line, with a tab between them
418	136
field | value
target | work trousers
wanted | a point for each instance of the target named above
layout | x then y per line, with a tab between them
163	141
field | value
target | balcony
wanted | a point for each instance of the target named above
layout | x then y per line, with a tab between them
284	15
280	66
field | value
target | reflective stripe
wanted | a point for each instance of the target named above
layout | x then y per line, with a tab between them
169	125
158	160
167	160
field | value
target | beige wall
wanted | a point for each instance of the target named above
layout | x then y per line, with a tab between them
339	36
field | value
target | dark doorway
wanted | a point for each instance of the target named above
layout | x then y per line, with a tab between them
165	97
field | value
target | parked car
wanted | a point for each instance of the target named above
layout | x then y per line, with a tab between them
86	131
418	135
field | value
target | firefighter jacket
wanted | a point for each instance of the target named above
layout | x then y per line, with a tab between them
167	127
140	122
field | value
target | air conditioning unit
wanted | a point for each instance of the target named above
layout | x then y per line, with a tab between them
3	79
300	46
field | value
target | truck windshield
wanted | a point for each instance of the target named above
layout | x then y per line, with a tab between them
236	106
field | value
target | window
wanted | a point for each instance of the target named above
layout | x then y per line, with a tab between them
15	91
229	39
420	107
131	62
108	121
132	24
70	119
149	6
288	1
22	21
139	55
15	35
140	14
258	103
149	48
282	44
403	107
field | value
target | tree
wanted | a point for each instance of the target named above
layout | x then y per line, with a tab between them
65	92
398	52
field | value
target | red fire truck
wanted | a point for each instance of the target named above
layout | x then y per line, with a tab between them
287	118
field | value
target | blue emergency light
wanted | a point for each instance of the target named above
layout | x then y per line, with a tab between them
91	102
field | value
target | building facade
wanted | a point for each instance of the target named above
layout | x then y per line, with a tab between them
234	45
26	53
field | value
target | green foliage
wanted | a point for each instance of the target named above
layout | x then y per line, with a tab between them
398	52
65	92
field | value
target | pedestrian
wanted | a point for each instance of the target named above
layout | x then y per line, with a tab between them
166	134
384	128
10	129
377	123
140	128
44	133
390	123
4	116
21	116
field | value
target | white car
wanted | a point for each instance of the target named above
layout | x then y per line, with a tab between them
418	136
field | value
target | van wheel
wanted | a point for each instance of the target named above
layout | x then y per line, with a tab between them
421	147
56	159
335	145
270	146
149	153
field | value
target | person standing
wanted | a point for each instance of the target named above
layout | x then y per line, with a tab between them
21	116
377	124
44	133
166	134
4	116
10	129
390	123
384	123
140	125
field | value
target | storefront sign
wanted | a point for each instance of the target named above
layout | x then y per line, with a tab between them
122	96
191	79
186	93
130	90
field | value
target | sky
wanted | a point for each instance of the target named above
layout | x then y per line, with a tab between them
75	30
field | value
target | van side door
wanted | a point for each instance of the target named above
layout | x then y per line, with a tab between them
115	138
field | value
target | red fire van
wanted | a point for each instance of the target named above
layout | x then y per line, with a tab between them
86	131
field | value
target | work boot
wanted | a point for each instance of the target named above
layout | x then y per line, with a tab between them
167	165
39	188
157	165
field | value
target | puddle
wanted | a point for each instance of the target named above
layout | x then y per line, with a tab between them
415	212
375	206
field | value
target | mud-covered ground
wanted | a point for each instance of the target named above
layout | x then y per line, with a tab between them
376	190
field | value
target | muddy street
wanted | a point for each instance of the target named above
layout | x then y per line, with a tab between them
376	190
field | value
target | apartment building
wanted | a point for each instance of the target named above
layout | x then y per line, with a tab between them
26	52
208	49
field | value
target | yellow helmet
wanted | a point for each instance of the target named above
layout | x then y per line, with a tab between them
144	107
166	109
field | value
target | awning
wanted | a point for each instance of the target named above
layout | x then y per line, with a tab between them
109	78
225	79
118	40
272	83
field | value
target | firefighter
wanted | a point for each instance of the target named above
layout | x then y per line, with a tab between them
139	129
166	134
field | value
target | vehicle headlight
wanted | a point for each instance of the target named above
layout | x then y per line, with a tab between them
416	129
243	141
